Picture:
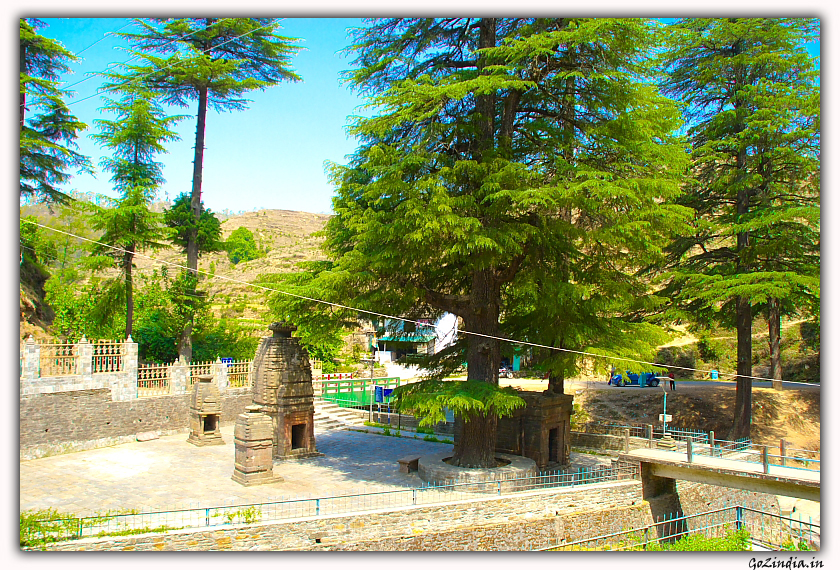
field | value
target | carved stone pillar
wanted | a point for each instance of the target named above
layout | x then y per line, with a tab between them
205	413
252	437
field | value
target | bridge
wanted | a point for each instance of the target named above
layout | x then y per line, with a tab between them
661	467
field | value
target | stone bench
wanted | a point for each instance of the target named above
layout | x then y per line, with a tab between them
408	464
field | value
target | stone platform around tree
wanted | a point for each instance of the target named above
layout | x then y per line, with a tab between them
432	469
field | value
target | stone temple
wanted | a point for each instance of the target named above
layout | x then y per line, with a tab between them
283	388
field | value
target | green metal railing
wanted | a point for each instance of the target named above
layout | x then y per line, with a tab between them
356	392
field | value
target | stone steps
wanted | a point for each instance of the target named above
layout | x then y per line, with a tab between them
330	416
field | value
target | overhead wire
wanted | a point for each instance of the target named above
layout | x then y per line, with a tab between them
405	320
100	91
115	63
56	258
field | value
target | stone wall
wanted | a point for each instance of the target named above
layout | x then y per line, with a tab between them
604	441
698	498
62	422
519	522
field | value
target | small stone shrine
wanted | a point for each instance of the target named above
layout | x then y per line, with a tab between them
252	438
283	388
540	431
205	413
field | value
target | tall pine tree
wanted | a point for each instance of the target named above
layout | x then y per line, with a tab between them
135	137
752	105
212	61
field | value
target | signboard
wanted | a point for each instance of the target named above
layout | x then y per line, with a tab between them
667	417
382	394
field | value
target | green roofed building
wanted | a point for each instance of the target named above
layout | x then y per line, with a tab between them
394	346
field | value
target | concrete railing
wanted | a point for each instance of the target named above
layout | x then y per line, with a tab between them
50	368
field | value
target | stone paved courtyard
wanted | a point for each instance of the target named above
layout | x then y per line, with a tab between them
169	473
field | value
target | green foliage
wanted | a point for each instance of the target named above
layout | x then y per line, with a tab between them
137	134
810	333
791	545
35	243
66	257
139	530
180	220
163	307
429	399
48	137
709	350
579	417
43	526
321	328
76	310
241	246
434	200
736	541
248	515
751	95
40	527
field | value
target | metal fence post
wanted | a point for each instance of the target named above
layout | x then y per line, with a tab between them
207	516
711	444
764	459
689	451
783	451
650	436
317	507
414	496
739	517
626	440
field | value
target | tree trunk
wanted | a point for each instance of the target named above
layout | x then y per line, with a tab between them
774	326
198	165
743	386
555	383
185	343
128	258
22	91
476	444
743	307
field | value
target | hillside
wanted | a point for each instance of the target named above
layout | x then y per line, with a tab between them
288	234
289	237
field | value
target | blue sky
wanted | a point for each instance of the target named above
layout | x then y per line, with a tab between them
271	155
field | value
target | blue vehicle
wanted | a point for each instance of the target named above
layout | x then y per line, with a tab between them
643	380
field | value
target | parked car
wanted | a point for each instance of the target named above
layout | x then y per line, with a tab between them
643	380
505	372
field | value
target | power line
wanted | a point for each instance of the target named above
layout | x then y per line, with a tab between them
94	74
132	58
137	79
393	317
42	255
104	36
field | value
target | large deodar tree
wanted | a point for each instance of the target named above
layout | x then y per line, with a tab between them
492	138
212	62
752	105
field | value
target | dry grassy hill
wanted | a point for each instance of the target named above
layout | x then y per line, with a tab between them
288	234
